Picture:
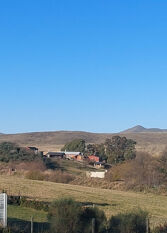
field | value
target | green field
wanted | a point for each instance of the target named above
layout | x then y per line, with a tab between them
111	201
26	214
19	219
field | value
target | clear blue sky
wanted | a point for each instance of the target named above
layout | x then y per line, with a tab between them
88	65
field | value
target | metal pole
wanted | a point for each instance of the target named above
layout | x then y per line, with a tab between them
147	225
31	224
93	225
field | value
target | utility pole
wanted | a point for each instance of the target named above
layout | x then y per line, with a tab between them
93	225
147	225
31	224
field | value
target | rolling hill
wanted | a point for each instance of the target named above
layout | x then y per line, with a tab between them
141	129
149	140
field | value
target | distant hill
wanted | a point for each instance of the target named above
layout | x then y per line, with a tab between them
153	142
141	129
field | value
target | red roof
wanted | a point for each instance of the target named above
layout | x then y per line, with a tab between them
93	158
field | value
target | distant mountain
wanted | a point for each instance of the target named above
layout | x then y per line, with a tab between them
141	129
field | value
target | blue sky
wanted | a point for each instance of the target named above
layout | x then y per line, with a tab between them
86	65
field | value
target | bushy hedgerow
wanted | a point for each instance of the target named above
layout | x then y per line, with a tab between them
67	215
133	222
38	205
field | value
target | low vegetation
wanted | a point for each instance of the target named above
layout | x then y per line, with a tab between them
64	219
135	221
143	173
53	176
12	152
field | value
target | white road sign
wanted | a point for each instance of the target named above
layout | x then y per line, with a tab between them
3	209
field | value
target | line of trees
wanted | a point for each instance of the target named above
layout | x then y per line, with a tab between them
12	152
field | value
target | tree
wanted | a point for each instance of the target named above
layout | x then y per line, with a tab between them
11	152
90	149
77	145
96	149
119	149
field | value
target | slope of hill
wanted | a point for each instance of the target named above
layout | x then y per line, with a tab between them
153	142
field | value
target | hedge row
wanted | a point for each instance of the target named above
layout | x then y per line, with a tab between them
25	202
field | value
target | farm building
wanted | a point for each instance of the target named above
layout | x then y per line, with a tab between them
59	155
100	175
79	158
72	155
93	158
99	165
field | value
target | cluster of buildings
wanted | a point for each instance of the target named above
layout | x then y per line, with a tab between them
80	157
76	156
72	155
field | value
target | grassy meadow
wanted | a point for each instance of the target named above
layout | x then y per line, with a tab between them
25	213
111	201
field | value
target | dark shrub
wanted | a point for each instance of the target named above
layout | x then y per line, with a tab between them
133	222
14	200
68	216
2	230
50	164
86	220
64	216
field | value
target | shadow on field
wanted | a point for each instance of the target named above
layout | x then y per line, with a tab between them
93	204
21	226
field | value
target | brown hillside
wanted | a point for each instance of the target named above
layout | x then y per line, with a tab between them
154	143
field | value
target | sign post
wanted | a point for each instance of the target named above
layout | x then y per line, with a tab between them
3	210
